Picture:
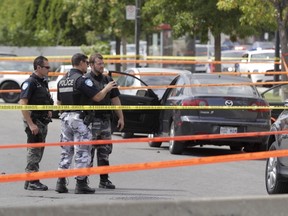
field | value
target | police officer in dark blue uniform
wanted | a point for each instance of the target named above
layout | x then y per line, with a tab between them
34	91
101	125
75	89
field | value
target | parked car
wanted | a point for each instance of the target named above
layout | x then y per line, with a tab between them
276	174
169	122
261	45
146	77
233	56
258	61
12	80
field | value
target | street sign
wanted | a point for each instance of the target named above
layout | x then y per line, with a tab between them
130	12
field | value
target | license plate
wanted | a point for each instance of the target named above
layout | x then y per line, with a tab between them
228	130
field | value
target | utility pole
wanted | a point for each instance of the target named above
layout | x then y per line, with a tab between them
137	29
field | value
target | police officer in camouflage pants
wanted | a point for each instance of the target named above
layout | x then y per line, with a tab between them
34	91
75	89
101	126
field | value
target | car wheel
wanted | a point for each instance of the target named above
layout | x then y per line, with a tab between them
175	147
127	134
154	144
273	183
10	97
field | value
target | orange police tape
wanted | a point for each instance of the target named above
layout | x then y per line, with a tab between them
173	86
141	166
156	139
147	165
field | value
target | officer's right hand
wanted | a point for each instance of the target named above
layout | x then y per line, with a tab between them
34	129
111	85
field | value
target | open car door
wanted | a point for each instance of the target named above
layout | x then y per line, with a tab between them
139	120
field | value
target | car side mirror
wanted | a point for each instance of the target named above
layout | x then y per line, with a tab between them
141	93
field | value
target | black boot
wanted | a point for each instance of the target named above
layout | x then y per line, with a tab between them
61	186
83	188
35	185
104	181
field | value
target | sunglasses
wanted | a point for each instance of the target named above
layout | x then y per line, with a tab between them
47	67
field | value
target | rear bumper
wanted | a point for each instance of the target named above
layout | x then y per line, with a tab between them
186	127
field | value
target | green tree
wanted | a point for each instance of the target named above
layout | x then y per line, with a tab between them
198	17
270	13
39	23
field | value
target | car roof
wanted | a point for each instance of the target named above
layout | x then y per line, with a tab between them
157	70
217	76
260	51
7	54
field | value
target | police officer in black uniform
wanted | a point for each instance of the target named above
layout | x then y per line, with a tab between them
75	89
34	91
101	125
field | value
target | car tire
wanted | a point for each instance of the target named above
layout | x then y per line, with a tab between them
127	134
154	144
10	97
175	147
272	177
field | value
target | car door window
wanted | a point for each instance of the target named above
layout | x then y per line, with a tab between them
129	81
177	91
277	95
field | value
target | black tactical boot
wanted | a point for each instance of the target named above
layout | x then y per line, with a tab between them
83	188
105	183
61	186
36	185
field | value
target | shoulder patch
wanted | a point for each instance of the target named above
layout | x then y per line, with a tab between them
25	85
89	82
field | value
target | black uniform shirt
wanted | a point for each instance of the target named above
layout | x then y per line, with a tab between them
28	87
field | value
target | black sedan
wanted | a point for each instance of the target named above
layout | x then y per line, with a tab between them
276	175
177	122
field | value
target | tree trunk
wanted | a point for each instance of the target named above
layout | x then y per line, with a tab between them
217	52
118	49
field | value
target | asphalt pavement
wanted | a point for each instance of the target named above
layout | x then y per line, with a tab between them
205	182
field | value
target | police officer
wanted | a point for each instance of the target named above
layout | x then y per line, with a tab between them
101	126
34	91
75	89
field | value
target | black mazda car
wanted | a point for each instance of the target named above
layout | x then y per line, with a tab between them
201	90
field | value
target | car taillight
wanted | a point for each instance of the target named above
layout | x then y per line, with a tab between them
259	103
194	102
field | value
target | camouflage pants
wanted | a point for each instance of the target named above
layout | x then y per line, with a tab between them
34	155
74	130
101	130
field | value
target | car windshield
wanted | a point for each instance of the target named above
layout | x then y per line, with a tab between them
260	57
241	90
157	80
16	66
231	55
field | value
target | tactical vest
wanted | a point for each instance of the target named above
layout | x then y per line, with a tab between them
68	92
41	96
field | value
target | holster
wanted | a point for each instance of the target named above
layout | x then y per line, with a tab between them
87	117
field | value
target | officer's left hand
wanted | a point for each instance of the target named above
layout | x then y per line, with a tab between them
50	114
